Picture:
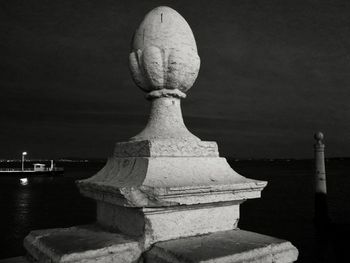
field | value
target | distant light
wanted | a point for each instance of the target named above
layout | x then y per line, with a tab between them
23	181
24	153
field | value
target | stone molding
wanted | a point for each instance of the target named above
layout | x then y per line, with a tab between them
166	148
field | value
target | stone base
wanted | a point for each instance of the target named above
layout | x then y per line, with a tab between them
81	244
235	246
159	224
85	244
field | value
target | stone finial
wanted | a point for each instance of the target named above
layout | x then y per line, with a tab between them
164	63
164	60
318	136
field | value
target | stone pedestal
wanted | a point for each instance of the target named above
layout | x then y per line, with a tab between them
164	195
92	244
160	189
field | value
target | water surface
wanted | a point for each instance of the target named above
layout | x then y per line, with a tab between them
285	209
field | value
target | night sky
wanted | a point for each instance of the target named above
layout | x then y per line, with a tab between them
272	73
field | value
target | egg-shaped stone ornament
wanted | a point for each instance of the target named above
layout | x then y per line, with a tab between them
164	59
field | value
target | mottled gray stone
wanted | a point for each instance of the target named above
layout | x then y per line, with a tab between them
157	224
165	122
235	246
164	52
166	148
81	244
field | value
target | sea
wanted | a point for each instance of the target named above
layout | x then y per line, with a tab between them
285	209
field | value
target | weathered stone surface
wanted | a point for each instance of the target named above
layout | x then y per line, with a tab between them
164	53
158	224
165	122
168	181
235	246
81	244
166	148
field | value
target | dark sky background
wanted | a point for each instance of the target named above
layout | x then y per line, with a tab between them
272	73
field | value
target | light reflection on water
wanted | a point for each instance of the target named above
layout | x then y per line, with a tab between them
23	181
42	202
22	200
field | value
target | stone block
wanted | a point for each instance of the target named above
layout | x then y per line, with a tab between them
168	181
158	224
164	52
81	244
235	246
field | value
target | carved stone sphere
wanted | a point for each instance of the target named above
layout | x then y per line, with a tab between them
164	52
318	136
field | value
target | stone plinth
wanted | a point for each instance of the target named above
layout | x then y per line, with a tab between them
233	246
168	197
164	195
168	182
158	224
81	244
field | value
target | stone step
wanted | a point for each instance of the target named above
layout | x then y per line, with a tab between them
81	244
234	246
